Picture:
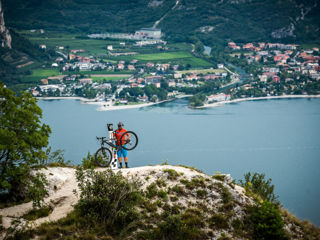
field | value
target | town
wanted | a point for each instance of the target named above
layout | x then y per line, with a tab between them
271	69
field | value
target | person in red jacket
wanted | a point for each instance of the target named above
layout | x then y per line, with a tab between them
122	152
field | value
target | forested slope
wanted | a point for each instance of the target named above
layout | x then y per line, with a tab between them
211	21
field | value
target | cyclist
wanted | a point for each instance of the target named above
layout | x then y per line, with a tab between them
122	152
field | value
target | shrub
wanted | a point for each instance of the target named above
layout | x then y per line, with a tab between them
174	198
38	213
151	190
151	207
175	227
107	197
161	183
162	194
172	174
257	184
195	182
238	227
178	189
201	193
55	158
224	237
193	218
266	222
37	189
88	162
218	221
226	198
218	176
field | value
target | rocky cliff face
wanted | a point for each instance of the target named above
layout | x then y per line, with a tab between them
5	37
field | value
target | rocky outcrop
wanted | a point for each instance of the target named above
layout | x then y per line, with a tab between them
5	37
212	206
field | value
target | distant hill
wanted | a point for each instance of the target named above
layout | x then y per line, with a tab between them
210	21
16	53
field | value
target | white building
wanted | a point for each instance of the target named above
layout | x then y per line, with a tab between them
83	66
152	33
263	78
85	81
217	97
52	87
110	47
177	75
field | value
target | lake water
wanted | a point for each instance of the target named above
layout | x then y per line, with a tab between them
280	138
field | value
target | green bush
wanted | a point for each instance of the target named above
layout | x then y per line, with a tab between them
151	207
37	189
195	182
178	189
161	183
151	191
177	227
226	198
201	193
88	162
267	222
37	213
193	218
218	221
55	158
172	174
219	176
257	184
162	194
107	198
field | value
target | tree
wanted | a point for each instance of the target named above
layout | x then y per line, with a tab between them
22	139
257	184
267	222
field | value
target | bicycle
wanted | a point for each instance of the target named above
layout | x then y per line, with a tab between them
103	155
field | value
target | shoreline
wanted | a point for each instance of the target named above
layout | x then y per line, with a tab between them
122	107
102	105
217	104
65	98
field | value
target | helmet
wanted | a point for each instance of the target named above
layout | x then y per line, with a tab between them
120	124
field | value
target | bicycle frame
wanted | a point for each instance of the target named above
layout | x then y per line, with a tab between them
108	142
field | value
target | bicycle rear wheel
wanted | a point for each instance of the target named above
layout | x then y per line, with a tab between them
103	157
130	139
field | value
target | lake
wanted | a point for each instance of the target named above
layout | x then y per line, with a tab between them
280	138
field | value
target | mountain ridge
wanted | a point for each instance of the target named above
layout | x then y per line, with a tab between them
210	21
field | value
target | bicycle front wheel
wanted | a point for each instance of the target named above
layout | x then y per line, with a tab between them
129	140
103	157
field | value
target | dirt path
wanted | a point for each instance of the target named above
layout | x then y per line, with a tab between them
63	198
24	65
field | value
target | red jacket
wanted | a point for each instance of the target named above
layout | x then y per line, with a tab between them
117	135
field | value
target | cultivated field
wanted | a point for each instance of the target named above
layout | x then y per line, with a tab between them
203	71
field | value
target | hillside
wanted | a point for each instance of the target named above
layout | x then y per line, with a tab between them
210	21
16	54
176	203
